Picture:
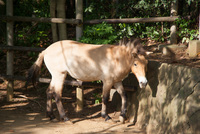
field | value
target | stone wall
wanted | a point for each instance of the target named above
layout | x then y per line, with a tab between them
171	101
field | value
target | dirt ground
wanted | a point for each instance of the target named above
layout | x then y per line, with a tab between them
27	115
177	56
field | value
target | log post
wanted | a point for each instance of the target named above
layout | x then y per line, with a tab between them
79	15
62	28
79	33
174	12
9	26
79	99
199	18
53	15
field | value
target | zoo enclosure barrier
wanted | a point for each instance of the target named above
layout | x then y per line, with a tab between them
9	18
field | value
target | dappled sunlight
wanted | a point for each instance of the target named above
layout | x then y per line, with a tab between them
34	122
175	105
13	106
26	116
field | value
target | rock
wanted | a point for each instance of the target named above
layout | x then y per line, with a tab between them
170	103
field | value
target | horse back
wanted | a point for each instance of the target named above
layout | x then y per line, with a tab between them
85	62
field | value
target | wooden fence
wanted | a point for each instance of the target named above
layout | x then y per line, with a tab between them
9	19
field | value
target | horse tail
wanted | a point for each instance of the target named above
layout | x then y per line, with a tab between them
34	71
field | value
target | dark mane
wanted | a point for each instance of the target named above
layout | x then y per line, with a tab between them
134	44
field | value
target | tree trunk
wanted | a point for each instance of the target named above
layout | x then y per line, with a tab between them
199	19
114	8
53	15
10	37
61	14
79	15
2	25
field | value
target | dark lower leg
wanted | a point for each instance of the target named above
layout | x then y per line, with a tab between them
124	106
49	112
60	107
104	107
122	93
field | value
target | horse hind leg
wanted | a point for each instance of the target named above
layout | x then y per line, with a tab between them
56	87
60	108
49	108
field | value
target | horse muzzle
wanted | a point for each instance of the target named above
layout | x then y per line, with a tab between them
142	82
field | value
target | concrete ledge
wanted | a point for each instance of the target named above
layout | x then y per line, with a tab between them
173	47
194	48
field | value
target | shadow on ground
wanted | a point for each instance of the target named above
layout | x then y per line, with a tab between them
28	115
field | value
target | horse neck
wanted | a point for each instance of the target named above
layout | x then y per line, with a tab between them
124	54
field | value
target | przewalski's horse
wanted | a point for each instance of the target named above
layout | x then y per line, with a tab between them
86	62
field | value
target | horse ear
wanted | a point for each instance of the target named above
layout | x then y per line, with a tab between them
134	55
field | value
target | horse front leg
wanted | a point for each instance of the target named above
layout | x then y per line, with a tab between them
49	108
105	98
120	89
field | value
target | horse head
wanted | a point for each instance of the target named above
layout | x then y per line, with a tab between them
139	68
139	62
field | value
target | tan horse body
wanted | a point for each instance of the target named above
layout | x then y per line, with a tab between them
87	62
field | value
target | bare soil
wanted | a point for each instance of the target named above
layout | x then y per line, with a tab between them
177	57
26	114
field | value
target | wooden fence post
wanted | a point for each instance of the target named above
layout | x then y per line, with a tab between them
79	15
174	12
199	18
79	99
79	33
10	84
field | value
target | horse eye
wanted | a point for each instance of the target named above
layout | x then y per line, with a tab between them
135	64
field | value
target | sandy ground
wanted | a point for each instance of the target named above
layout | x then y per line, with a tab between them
24	116
36	123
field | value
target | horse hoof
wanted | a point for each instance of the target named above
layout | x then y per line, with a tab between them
107	118
122	119
51	116
132	124
67	121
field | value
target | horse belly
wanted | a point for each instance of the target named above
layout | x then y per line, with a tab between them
84	71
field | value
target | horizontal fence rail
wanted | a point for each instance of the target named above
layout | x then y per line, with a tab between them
132	20
42	19
96	21
20	48
67	82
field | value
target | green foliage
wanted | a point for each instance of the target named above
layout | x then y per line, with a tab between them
155	33
31	37
32	34
39	34
136	9
98	98
186	31
37	8
108	34
98	34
